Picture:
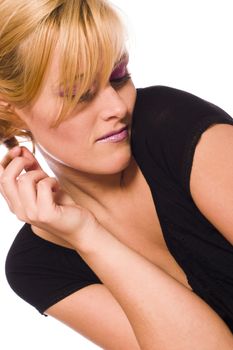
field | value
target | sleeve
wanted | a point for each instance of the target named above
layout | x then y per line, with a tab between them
174	129
43	273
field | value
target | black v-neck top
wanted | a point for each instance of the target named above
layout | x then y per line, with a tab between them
167	124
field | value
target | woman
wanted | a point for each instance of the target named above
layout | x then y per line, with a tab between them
131	214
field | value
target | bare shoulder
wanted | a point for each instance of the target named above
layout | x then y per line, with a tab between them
211	181
216	133
213	153
94	313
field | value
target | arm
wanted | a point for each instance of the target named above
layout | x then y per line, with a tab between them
163	313
211	182
93	312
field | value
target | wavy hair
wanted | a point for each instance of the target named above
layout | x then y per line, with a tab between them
91	37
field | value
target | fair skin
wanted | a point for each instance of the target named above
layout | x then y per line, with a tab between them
155	307
93	175
91	170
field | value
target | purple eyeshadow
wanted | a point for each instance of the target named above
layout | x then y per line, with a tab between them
119	71
62	93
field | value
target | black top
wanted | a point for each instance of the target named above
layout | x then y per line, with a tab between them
167	124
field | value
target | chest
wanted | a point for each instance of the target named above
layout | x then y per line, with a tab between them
137	225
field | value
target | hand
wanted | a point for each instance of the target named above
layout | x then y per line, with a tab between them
37	199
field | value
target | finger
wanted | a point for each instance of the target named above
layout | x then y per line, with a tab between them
14	152
9	184
5	198
20	151
27	191
46	205
29	155
1	189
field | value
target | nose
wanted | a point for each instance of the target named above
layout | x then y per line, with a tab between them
111	104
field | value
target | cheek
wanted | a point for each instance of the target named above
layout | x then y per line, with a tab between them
129	95
41	116
67	145
73	130
44	113
70	141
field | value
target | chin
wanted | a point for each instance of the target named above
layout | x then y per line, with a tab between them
116	163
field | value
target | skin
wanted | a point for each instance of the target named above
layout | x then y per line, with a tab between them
90	172
93	177
163	313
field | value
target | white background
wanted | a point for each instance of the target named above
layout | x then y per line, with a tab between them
183	44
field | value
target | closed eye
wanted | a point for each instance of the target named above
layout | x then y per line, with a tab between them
121	80
116	83
87	96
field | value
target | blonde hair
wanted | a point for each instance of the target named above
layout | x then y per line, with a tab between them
91	37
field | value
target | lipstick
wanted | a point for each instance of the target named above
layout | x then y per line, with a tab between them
122	135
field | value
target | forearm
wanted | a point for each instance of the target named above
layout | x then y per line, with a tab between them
163	313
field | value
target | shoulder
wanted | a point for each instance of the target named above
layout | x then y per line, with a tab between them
173	100
168	125
42	272
169	112
211	181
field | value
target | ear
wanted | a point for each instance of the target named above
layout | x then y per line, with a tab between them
19	120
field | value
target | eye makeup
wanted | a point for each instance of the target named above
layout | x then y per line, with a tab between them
120	70
63	93
118	76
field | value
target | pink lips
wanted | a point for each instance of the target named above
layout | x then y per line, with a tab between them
115	137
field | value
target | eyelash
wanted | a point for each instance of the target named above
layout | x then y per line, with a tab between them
122	80
117	82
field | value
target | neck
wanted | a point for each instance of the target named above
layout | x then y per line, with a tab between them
95	192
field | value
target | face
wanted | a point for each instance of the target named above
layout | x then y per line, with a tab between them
74	142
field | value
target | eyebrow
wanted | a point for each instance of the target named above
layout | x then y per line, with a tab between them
124	57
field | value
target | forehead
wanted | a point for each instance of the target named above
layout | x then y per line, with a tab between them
54	70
